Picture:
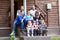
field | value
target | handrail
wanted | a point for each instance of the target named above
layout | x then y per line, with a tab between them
41	9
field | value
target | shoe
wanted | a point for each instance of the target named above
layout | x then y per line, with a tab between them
12	33
28	35
32	35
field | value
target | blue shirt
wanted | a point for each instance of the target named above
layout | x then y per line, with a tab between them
19	18
28	17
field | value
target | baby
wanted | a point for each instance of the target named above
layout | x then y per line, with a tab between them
29	28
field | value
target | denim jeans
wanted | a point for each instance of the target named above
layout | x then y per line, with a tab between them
19	23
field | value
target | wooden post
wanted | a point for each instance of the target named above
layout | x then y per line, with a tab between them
24	1
59	15
12	12
59	11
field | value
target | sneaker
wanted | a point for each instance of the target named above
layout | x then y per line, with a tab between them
12	33
32	35
28	35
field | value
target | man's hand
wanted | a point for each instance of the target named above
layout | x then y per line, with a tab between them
22	20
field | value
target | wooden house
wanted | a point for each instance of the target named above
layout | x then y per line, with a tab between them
8	10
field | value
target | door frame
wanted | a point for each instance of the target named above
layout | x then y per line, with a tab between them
59	11
12	12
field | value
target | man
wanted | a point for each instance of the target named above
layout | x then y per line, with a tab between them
33	11
18	11
18	21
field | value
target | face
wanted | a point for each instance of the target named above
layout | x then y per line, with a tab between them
37	15
42	22
34	23
22	13
29	23
28	13
33	7
22	7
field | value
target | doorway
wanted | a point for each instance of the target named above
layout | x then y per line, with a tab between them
17	6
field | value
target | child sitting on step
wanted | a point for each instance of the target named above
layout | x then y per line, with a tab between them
30	28
35	28
43	28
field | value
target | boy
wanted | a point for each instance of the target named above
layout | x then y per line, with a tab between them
43	28
27	17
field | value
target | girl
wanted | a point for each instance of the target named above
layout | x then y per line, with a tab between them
29	28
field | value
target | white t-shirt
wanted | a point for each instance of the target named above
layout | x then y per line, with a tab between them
32	12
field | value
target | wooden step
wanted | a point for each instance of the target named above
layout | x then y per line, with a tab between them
5	31
35	38
51	31
4	38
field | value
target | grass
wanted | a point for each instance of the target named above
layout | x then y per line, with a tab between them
55	38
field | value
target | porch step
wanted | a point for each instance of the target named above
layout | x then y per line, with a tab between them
52	31
28	38
7	38
5	31
35	38
4	38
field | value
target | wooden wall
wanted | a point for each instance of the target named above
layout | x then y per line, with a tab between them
4	18
52	14
4	7
30	3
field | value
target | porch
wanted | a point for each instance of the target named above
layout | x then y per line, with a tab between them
7	14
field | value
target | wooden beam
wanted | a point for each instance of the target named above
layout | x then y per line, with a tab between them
12	12
59	11
25	8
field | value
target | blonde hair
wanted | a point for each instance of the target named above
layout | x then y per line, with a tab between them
42	21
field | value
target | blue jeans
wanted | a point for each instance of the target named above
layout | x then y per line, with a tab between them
16	22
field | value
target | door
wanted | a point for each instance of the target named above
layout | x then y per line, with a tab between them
17	6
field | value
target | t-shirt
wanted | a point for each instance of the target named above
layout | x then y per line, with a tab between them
29	26
28	17
32	12
43	27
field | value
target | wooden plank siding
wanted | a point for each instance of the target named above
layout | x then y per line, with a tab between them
52	14
4	18
4	6
29	4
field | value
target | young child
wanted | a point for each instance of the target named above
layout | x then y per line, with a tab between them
43	28
27	17
35	28
29	28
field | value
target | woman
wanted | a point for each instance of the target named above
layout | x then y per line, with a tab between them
37	18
